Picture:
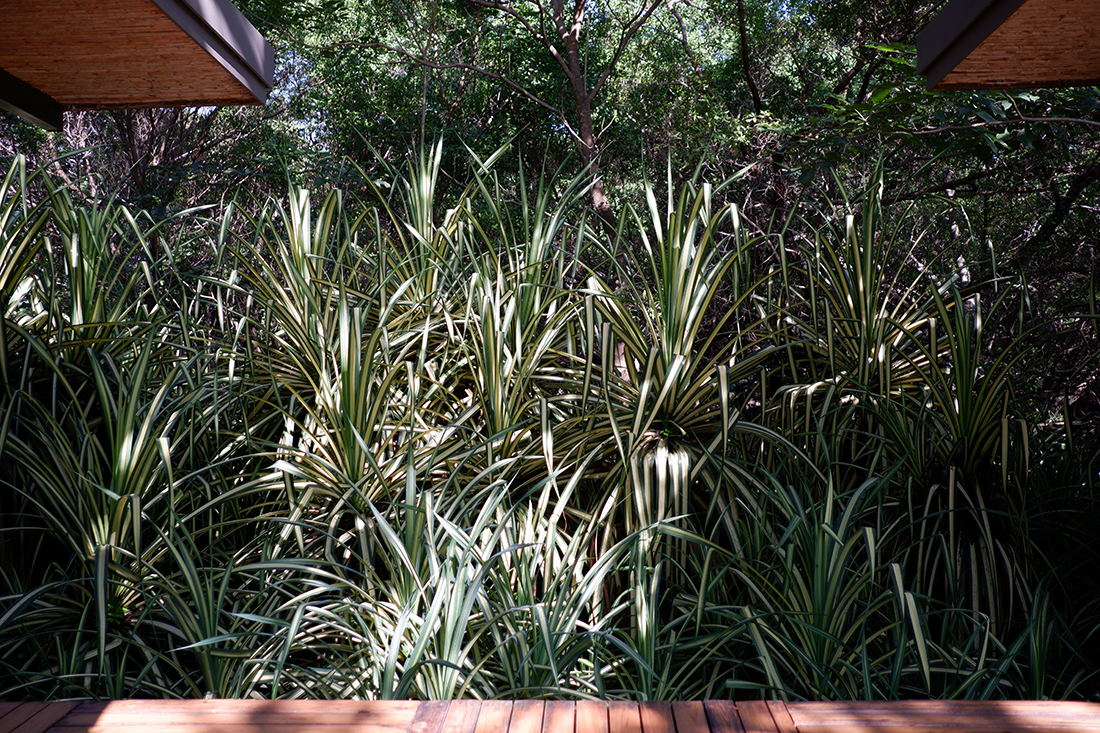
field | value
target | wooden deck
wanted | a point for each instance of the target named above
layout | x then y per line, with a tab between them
537	716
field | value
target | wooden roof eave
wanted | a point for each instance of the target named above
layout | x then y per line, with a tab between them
226	34
216	27
956	31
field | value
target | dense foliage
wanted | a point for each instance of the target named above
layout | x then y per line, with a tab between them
427	445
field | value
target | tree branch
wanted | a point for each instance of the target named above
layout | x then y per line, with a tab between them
537	34
695	66
1063	204
845	81
456	65
745	61
624	39
946	186
997	123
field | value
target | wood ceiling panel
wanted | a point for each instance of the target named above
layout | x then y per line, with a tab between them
1043	43
109	54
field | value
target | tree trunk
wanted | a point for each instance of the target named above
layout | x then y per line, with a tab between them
586	131
746	61
590	158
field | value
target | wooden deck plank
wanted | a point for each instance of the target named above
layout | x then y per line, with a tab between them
526	716
274	721
932	714
389	708
47	717
937	712
915	725
756	717
310	704
990	721
622	717
690	717
7	707
559	716
249	716
656	717
15	718
321	720
494	716
592	716
462	716
429	717
213	725
323	713
238	718
783	721
556	716
723	717
946	706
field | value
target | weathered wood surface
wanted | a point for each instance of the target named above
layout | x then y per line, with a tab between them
538	716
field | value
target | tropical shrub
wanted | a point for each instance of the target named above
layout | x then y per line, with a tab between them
428	447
